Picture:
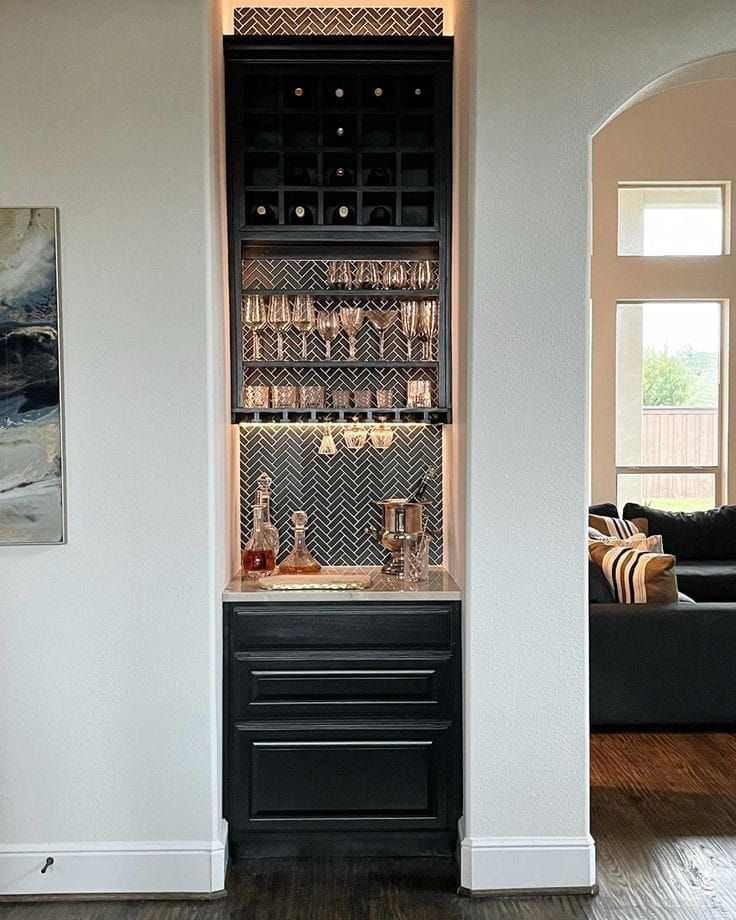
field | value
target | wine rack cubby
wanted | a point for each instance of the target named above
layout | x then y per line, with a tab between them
339	152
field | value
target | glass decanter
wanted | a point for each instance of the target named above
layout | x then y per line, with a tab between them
299	561
263	498
258	556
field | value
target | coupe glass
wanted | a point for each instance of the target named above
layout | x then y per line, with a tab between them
328	326
279	318
339	274
429	315
352	321
381	320
255	318
367	274
394	275
422	275
409	323
303	318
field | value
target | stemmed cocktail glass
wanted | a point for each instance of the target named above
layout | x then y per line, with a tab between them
303	318
381	320
429	314
279	318
352	320
409	323
255	317
328	326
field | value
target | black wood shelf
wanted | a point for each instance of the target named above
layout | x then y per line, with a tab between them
346	365
347	293
435	415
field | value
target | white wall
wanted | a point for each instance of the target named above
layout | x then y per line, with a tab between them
548	75
109	680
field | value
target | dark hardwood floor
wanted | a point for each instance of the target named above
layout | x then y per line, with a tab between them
664	818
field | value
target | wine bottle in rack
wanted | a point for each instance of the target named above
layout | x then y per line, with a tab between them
263	214
339	92
380	216
343	214
299	94
300	214
340	135
341	175
378	176
378	92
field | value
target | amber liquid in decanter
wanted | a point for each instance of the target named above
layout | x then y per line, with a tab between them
258	555
299	561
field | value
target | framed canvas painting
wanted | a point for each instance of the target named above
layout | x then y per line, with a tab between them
31	465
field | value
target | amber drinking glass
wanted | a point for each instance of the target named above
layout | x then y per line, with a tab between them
422	275
429	316
352	321
303	318
255	318
409	323
395	275
381	320
255	397
328	326
367	274
339	275
279	318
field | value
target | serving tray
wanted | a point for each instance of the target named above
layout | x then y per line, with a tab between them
318	582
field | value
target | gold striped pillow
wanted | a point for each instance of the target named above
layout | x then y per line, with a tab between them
637	577
613	527
640	541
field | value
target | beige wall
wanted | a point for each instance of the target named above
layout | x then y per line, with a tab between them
682	134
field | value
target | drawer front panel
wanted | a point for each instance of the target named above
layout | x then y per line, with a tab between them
334	625
400	687
336	778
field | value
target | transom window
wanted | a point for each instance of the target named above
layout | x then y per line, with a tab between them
672	220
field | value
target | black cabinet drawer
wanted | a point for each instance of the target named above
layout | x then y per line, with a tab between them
365	777
335	625
288	687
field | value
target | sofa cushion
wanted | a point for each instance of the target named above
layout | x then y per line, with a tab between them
599	591
607	509
706	535
709	580
612	527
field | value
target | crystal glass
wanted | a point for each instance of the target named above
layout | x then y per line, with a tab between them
328	326
367	274
279	318
409	323
299	561
327	446
340	399
284	396
422	275
381	320
362	399
355	436
382	436
339	274
352	321
385	399
255	397
394	275
255	318
258	555
303	318
312	397
416	557
419	394
429	317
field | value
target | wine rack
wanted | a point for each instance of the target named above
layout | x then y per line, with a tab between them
339	149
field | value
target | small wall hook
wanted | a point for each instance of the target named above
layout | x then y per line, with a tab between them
49	862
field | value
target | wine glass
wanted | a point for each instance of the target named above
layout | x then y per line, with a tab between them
279	318
339	274
303	319
394	275
409	322
352	320
381	320
367	274
429	315
422	275
255	317
328	326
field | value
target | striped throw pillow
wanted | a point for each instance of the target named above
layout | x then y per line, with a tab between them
637	577
613	527
640	541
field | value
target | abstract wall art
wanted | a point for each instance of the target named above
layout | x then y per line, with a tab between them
31	471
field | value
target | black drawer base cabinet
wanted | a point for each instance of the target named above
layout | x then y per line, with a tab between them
342	728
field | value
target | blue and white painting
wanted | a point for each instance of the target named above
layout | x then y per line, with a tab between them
31	484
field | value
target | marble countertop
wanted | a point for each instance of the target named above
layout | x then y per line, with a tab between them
440	587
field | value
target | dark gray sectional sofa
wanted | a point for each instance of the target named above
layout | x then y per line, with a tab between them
670	664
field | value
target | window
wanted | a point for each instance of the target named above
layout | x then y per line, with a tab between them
668	404
671	220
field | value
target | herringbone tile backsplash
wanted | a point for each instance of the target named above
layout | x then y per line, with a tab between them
338	491
338	20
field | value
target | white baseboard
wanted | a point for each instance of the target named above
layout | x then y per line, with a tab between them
171	867
526	864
